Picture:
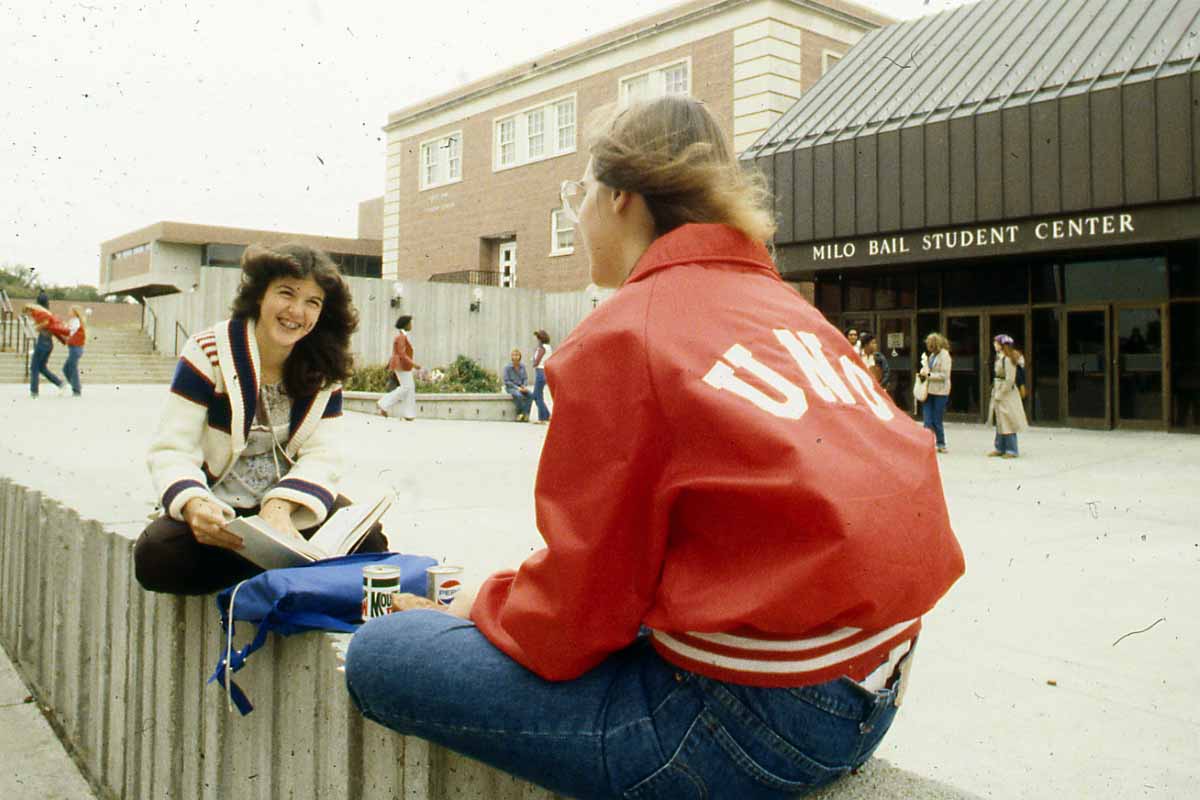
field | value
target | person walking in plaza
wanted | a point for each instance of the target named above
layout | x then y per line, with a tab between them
852	338
49	328
936	373
1006	410
402	365
516	383
252	423
539	374
716	613
76	339
877	363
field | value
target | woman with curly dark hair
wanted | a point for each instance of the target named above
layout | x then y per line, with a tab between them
251	426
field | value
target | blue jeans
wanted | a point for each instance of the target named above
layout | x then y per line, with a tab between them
933	410
71	369
539	391
521	401
633	727
1006	443
37	365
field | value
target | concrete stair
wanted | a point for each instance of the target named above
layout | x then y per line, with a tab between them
113	355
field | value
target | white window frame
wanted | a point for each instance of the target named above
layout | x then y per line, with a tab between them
826	55
441	163
540	114
557	218
550	133
657	78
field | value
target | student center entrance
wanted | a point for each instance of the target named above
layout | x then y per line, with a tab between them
1037	176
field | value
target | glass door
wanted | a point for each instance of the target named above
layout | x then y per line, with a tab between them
1042	370
1087	360
897	344
965	374
1140	400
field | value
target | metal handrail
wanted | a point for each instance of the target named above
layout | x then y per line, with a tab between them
154	323
17	330
186	335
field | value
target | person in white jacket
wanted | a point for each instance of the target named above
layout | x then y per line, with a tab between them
251	423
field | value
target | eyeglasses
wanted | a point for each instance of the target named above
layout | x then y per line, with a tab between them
572	193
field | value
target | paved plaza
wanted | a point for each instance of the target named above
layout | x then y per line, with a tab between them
1023	686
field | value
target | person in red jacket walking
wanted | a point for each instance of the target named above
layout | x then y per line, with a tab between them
722	608
49	327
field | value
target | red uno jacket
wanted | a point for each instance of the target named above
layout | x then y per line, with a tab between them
54	326
722	468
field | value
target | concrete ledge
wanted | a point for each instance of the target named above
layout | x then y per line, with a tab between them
490	407
122	672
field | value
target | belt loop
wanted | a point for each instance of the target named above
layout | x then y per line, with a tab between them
883	699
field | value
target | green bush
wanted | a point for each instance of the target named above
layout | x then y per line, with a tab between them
463	376
368	379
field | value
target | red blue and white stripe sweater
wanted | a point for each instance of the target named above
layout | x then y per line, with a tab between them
206	421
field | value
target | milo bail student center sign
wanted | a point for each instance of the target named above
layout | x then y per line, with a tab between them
1083	231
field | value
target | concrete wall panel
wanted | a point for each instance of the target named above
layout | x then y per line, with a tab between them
143	721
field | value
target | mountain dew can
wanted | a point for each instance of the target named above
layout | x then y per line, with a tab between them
379	583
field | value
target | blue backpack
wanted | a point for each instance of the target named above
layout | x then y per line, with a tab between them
324	596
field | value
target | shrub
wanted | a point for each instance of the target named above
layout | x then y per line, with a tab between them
463	376
368	379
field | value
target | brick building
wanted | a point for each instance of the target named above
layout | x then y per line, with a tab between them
473	175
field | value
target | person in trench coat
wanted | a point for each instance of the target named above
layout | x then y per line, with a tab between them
1006	410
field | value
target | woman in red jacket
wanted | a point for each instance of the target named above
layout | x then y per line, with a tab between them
721	609
401	365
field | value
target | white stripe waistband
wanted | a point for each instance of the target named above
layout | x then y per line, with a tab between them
750	664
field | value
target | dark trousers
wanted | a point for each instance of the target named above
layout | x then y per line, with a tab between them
167	558
38	364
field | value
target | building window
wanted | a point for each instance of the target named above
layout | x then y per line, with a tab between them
672	78
441	160
535	128
222	255
508	142
828	60
358	266
131	251
522	138
675	79
564	114
562	234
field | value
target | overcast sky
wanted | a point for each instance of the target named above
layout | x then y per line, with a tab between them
249	113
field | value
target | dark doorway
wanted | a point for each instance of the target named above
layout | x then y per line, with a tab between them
1087	368
964	335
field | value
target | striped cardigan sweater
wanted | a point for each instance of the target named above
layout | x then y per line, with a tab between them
206	421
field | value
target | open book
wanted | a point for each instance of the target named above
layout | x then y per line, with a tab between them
340	534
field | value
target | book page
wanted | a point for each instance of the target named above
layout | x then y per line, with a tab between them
269	548
347	526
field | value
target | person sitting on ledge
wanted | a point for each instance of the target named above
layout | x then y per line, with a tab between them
516	383
251	423
722	609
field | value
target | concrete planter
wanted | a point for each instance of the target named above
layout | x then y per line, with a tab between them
478	407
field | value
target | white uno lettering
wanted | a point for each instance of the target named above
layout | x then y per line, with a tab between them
722	377
820	373
865	385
